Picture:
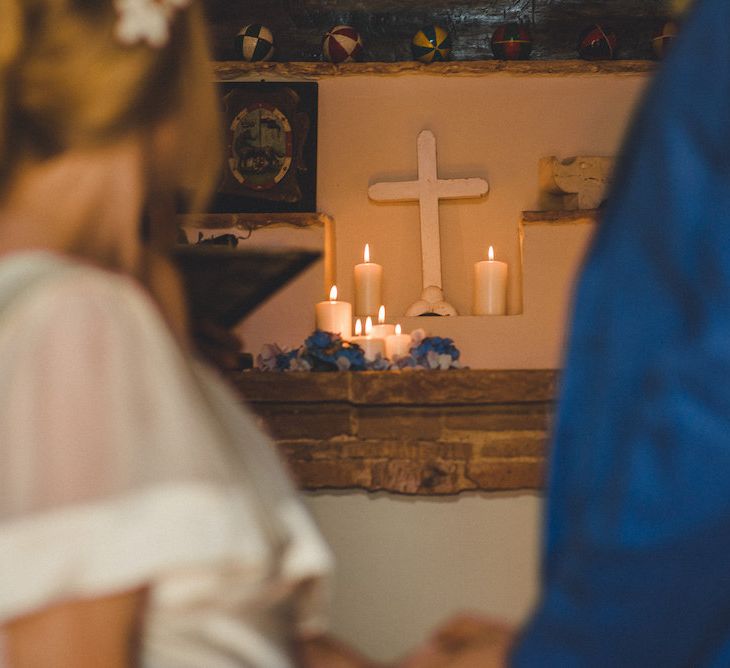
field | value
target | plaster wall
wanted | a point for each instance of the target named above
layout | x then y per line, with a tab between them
495	126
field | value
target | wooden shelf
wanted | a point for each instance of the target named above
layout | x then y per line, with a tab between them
232	70
408	432
561	217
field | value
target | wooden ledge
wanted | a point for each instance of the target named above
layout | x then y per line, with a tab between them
561	217
230	70
251	221
412	432
397	388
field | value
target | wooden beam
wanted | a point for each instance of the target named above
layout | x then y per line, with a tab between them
387	26
230	70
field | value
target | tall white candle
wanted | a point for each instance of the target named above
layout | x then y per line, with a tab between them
398	344
381	330
490	286
368	286
334	316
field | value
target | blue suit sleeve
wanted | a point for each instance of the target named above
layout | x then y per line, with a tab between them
641	580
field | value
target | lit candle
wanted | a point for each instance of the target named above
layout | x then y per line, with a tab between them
397	345
334	316
370	345
381	330
490	286
368	285
358	338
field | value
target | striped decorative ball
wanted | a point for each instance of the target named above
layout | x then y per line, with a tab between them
663	38
512	41
342	44
597	42
255	43
431	44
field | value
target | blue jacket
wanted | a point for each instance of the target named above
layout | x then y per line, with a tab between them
637	548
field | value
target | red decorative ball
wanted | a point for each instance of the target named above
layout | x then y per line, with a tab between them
597	42
342	44
663	38
512	41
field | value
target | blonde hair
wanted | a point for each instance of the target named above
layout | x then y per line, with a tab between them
66	82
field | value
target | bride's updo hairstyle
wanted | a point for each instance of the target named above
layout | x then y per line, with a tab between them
82	74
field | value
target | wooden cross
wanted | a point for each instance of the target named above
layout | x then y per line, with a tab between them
428	190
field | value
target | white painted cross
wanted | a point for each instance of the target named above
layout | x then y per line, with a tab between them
428	190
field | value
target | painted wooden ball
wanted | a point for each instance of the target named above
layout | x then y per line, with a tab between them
512	41
431	44
342	44
597	42
255	43
663	38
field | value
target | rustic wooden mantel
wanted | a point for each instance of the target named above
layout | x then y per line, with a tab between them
410	432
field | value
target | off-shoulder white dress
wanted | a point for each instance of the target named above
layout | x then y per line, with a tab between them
124	463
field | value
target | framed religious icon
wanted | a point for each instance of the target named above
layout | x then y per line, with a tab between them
270	148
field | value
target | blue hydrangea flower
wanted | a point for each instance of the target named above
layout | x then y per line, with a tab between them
324	351
436	345
284	360
354	356
320	339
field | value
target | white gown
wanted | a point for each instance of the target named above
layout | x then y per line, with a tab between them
124	464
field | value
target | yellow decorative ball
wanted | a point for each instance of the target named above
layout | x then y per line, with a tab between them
431	44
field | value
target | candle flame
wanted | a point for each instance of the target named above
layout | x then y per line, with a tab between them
398	330
358	327
491	254
368	326
333	294
381	315
366	255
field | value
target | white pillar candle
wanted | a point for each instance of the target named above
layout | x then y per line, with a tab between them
381	330
490	286
370	345
398	344
334	316
368	286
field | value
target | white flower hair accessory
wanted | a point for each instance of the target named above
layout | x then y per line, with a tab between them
146	20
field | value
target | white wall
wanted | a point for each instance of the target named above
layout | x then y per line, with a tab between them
405	564
494	126
497	126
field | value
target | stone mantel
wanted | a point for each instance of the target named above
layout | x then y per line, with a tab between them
411	432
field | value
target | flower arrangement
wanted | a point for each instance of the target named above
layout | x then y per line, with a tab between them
324	351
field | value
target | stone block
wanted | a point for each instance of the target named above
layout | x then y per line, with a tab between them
398	422
497	417
258	386
507	473
314	475
395	449
405	476
443	388
501	443
296	420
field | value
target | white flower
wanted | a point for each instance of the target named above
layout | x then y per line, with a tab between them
445	362
146	20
